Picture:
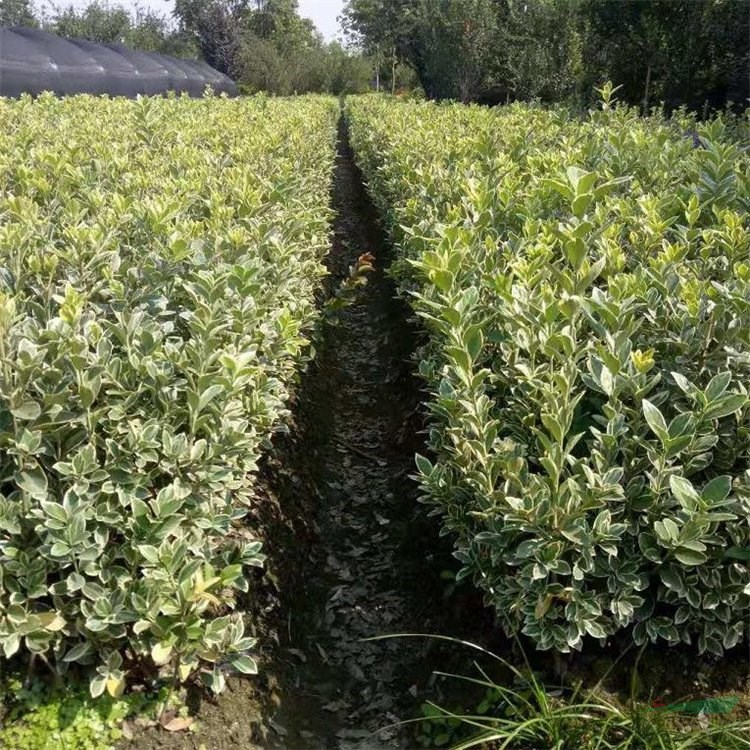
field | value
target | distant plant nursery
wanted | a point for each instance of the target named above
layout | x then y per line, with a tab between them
32	61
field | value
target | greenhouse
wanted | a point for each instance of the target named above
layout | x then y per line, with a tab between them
32	61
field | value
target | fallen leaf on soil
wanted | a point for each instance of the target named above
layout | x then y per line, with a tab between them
278	728
127	730
299	654
179	724
323	654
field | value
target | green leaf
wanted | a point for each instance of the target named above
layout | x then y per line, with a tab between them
649	547
737	553
575	532
717	386
97	685
717	490
55	511
462	360
561	187
671	579
667	530
726	405
575	252
581	203
690	557
79	651
594	629
215	680
684	384
28	411
11	644
245	664
681	425
473	341
574	175
208	395
430	711
59	549
685	493
655	420
586	182
442	279
52	620
553	427
149	553
33	482
423	464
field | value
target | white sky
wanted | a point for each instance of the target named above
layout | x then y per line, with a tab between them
323	12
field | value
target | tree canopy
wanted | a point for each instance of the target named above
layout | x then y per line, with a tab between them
677	51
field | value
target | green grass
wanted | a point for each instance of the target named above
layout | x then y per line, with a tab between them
526	714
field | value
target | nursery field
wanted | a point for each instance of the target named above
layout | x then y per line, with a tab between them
158	264
586	288
278	378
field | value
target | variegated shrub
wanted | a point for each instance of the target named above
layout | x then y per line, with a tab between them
158	263
585	284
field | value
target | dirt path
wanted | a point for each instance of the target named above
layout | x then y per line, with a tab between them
368	573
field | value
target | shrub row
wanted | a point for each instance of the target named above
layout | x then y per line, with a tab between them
158	262
585	286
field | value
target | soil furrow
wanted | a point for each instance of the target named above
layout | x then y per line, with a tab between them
367	573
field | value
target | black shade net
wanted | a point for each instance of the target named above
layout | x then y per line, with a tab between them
32	61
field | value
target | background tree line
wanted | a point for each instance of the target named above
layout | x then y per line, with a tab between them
688	52
691	52
265	45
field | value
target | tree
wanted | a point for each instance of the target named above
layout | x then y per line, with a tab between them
17	13
676	51
455	47
680	51
241	37
97	22
105	23
384	30
267	46
216	27
542	48
279	21
342	72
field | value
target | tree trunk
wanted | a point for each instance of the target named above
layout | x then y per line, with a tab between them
645	93
393	71
377	68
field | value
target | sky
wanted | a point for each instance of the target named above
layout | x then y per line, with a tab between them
323	12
